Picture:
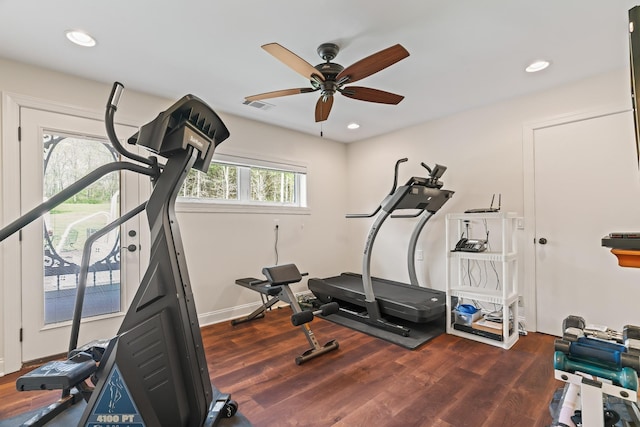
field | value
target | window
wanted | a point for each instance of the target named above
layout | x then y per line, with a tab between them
220	182
239	181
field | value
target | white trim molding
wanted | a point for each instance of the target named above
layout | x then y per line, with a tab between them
10	278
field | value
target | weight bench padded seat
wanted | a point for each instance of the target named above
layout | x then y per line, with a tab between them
282	274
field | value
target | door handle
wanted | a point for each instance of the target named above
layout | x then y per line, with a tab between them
542	241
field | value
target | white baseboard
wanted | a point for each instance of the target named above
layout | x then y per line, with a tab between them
227	314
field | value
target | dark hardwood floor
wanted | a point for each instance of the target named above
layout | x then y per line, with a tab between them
449	381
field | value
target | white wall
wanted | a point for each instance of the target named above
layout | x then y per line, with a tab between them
483	150
221	247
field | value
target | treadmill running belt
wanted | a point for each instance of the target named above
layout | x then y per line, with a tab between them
412	303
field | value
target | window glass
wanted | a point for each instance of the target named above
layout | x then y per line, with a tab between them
66	228
273	186
220	182
247	182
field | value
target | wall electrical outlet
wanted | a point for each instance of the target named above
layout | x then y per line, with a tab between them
419	255
276	223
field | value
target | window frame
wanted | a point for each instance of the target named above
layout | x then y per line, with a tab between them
243	205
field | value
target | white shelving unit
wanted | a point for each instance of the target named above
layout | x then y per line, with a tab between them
488	279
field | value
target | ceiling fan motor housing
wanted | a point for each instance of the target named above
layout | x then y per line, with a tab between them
329	70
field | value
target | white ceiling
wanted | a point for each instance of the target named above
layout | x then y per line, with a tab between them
463	53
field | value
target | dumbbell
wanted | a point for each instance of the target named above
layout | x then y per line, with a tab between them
573	328
631	338
307	316
626	377
599	352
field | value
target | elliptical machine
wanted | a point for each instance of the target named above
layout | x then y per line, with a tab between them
154	371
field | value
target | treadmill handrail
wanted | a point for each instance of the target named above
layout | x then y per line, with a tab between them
393	190
364	215
395	174
409	215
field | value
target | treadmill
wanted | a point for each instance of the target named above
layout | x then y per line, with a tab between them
380	297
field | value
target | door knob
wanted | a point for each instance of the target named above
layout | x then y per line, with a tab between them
542	241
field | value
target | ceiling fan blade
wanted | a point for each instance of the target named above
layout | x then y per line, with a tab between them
277	93
373	63
323	108
371	95
292	60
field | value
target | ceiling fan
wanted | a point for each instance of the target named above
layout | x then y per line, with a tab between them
329	77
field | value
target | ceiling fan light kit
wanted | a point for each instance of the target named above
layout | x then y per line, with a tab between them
329	77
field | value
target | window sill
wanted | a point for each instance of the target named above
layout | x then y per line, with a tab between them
208	207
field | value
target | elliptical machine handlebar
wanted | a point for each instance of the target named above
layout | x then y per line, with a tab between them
84	271
112	107
70	191
114	97
151	170
393	189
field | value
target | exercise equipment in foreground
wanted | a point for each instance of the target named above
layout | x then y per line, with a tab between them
601	376
368	299
73	386
275	289
154	371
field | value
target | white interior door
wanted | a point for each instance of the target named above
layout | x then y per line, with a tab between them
586	186
56	150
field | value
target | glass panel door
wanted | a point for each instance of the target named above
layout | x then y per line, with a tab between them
66	228
56	150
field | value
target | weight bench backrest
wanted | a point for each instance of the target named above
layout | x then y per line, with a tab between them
282	274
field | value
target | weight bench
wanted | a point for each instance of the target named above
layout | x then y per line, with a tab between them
276	288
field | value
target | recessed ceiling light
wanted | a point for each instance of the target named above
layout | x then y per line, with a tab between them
80	38
537	66
353	126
